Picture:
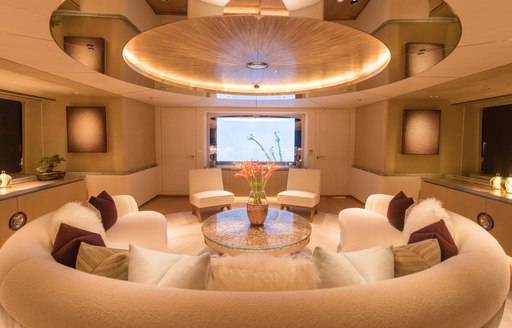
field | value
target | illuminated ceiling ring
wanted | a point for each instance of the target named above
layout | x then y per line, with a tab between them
210	54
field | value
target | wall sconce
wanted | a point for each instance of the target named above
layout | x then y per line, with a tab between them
5	180
508	184
497	182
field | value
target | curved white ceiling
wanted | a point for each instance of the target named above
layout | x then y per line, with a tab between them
25	39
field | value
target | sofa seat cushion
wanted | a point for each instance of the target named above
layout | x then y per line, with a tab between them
212	198
298	198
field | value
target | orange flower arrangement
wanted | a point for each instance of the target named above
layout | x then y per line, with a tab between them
256	175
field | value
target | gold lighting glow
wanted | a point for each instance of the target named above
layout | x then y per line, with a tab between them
497	182
211	54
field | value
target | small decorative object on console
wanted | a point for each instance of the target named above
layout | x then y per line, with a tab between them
496	182
257	177
48	163
5	180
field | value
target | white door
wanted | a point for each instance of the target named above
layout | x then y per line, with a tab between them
178	149
334	150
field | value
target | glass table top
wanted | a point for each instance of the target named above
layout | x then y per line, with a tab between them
231	232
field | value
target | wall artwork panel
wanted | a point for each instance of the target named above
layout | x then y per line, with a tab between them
86	129
88	51
420	56
421	132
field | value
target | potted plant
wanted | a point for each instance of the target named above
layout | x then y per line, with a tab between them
47	164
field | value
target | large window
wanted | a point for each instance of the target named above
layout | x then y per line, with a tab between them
497	140
10	136
261	138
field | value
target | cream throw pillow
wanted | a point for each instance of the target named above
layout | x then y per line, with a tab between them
261	272
78	216
353	268
416	257
152	267
428	211
103	261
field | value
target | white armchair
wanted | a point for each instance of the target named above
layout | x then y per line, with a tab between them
302	190
206	190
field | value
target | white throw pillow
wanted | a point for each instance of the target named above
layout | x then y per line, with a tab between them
261	272
152	267
78	216
354	268
424	213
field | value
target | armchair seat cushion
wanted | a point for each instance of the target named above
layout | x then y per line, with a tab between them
298	198
212	198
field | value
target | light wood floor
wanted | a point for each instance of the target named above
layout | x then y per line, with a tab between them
332	205
176	204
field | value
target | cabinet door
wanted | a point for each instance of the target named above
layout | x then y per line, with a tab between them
333	146
7	209
178	149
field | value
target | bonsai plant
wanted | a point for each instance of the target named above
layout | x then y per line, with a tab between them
47	164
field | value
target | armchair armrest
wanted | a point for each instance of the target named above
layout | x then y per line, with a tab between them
125	204
145	228
378	203
361	228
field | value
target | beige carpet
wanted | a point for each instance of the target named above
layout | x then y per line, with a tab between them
185	237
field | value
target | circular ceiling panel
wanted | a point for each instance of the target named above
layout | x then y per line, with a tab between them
256	55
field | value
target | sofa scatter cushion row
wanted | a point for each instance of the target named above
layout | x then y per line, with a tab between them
397	210
78	216
353	268
107	208
67	243
153	267
261	272
416	257
103	261
438	231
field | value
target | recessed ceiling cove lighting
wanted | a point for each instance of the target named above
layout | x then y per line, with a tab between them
257	65
305	52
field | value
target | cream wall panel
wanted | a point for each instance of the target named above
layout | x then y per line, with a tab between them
371	136
334	150
178	149
364	184
142	185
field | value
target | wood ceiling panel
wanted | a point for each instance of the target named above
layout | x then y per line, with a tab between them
211	53
169	7
345	10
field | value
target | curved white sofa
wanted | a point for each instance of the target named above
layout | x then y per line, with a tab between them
466	290
35	291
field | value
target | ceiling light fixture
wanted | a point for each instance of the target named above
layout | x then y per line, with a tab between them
257	65
353	2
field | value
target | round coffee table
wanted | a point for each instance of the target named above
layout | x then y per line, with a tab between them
230	232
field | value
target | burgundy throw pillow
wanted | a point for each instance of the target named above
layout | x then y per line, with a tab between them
439	231
396	210
67	243
107	207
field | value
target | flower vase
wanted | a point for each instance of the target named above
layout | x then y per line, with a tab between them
257	207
